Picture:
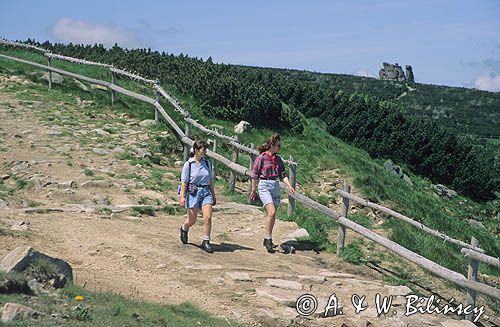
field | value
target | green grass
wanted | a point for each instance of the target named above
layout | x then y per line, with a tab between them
108	309
88	172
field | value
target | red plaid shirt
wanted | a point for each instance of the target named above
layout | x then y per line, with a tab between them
266	166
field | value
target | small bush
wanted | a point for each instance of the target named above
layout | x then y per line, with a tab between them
42	270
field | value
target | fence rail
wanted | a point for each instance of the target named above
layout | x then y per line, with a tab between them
473	251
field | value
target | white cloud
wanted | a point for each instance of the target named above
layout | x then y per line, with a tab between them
365	73
488	83
77	31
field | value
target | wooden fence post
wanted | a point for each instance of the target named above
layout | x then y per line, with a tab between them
293	181
157	113
187	131
232	179
250	168
49	59
214	164
345	210
472	276
113	93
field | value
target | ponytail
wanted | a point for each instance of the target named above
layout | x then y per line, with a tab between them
273	139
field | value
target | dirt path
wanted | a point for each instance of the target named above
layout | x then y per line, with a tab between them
68	162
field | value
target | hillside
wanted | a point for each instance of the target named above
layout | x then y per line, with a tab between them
58	136
279	99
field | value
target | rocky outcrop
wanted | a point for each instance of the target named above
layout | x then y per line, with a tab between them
21	257
409	74
395	73
392	72
242	127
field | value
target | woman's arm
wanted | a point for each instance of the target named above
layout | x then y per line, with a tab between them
212	190
183	194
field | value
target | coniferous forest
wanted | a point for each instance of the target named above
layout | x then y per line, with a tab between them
364	112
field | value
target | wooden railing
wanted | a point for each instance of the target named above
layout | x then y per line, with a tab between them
472	251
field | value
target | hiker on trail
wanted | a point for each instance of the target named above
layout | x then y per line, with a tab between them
197	191
268	168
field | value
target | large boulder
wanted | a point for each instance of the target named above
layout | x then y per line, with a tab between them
409	74
21	257
443	192
392	72
397	171
16	311
242	127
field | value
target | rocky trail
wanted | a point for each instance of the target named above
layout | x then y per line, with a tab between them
54	156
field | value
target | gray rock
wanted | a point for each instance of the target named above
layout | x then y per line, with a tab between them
443	191
397	171
242	127
15	311
68	184
36	287
392	72
148	122
3	204
285	284
56	78
141	153
409	74
398	290
205	267
20	226
4	177
21	257
20	166
476	223
315	279
98	184
298	234
178	163
332	274
278	295
54	132
100	151
100	132
239	276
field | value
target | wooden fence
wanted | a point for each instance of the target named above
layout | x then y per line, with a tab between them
472	251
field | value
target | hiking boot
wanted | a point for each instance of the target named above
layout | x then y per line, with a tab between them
268	243
184	236
205	245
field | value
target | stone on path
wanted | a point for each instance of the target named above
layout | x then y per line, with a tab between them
285	284
239	276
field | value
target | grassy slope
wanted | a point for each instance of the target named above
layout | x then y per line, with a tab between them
317	151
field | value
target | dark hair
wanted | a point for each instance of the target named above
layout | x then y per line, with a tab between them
272	140
198	144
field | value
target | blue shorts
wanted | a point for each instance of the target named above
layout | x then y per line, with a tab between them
202	197
269	192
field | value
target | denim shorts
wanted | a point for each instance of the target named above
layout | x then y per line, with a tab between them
269	192
202	197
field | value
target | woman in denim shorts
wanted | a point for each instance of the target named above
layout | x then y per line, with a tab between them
197	191
269	169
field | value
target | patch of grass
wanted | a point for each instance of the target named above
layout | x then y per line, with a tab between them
353	252
21	183
150	211
88	172
362	219
173	210
42	270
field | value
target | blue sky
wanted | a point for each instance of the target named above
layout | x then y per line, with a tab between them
448	42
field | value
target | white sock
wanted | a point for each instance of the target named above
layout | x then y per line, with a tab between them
205	238
184	228
268	237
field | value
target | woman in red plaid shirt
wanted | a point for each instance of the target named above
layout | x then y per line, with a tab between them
269	168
